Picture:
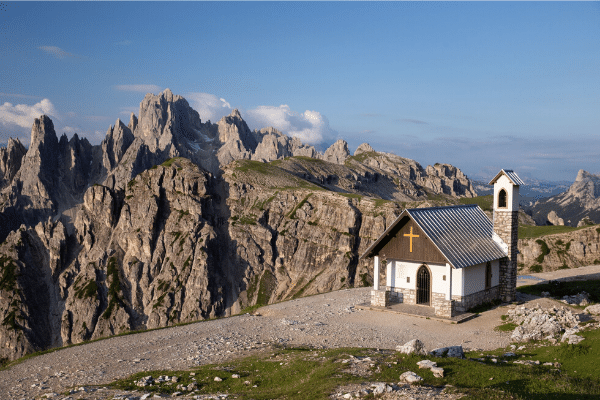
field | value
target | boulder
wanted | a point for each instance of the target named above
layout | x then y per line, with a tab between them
410	377
427	364
593	309
414	346
438	372
451	351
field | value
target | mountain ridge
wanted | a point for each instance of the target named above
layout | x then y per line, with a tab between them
171	219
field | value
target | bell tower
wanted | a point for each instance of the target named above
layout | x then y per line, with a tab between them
506	225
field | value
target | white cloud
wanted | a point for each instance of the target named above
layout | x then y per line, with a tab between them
209	106
139	88
310	126
57	52
22	115
69	130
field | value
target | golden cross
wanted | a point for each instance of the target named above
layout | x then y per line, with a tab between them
411	236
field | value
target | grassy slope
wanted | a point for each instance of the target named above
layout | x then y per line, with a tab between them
300	373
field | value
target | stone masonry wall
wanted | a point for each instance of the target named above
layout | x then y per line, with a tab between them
380	298
443	307
464	303
506	225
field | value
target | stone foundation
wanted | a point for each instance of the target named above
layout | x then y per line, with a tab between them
380	298
442	307
464	303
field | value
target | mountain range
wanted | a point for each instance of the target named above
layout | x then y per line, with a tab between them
577	206
171	219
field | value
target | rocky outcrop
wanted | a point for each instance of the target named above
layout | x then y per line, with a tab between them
581	201
542	323
562	250
363	148
337	152
274	145
118	139
10	161
554	219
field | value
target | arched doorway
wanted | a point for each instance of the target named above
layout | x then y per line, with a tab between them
423	285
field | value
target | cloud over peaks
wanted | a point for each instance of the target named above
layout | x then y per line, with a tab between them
209	106
310	126
22	115
139	88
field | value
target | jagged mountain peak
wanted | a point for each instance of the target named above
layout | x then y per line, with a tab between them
337	152
364	148
42	131
133	121
582	175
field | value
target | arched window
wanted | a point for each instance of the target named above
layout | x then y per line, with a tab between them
502	199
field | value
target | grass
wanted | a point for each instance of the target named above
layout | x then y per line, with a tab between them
292	214
530	231
484	202
304	373
298	373
565	288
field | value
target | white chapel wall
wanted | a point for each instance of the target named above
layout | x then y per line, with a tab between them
407	269
457	282
474	277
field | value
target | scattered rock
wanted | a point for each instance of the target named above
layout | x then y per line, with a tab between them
451	351
410	377
414	346
593	309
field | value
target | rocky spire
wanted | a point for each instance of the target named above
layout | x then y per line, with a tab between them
337	152
10	160
364	148
133	121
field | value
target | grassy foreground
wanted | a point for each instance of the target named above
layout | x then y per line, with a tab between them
301	373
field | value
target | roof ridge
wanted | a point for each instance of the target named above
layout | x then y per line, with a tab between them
443	207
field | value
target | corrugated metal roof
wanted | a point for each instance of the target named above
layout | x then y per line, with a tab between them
512	175
464	234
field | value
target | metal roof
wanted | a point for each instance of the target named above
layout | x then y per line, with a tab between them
463	234
512	175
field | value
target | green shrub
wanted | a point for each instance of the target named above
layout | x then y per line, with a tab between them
545	250
536	268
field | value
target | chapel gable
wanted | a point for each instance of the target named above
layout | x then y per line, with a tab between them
409	242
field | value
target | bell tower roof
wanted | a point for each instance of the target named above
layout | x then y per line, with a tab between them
511	175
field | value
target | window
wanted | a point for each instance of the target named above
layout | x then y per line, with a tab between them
502	199
488	275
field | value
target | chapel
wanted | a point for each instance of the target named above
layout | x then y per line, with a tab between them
450	258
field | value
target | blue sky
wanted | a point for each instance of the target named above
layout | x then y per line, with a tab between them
480	85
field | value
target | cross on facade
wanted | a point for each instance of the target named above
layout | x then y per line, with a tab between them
411	236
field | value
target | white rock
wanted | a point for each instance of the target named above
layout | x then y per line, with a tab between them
217	379
414	346
593	309
410	377
426	364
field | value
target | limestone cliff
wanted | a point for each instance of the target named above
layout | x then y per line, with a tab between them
562	250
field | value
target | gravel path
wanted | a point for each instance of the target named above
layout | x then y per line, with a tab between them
326	320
